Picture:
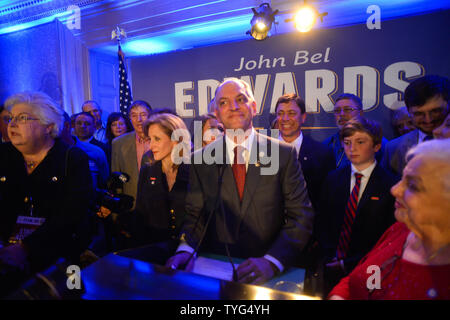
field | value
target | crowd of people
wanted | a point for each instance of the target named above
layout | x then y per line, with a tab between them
344	205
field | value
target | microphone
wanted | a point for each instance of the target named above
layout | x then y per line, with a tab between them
219	192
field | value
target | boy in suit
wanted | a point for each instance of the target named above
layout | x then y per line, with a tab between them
356	205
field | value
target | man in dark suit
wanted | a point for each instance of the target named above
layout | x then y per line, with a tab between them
427	101
94	109
258	210
84	130
316	159
356	206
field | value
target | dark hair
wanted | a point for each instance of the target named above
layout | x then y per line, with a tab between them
87	114
361	124
419	91
2	107
164	110
140	103
114	116
350	96
291	97
91	102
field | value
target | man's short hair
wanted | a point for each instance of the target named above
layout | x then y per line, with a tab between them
350	96
288	97
140	103
419	91
91	102
361	124
247	87
164	110
87	114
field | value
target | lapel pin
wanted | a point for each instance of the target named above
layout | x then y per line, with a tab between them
152	179
3	179
54	179
305	158
374	198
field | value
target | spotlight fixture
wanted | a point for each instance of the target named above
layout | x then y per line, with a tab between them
262	21
306	17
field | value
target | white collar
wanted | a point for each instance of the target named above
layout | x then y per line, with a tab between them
297	143
247	144
366	172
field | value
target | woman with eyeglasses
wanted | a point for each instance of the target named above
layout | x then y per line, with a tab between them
45	190
412	259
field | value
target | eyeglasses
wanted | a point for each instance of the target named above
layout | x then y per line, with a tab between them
347	110
136	116
21	118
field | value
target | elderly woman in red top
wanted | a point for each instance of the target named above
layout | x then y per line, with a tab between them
412	258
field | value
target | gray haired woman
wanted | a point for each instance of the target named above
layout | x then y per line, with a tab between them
45	190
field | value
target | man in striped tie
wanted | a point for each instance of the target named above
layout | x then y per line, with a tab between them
356	206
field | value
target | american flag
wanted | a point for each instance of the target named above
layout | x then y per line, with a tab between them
125	90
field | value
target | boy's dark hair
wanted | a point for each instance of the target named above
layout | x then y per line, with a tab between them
419	91
361	124
286	98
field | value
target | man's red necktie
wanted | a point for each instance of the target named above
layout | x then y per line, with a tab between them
239	170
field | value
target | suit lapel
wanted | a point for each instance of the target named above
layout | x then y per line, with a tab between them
371	187
305	152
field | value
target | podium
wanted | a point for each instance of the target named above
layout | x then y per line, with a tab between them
114	277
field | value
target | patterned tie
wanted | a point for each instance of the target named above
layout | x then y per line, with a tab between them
239	170
350	213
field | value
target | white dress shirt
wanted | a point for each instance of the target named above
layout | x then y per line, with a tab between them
364	179
297	143
230	145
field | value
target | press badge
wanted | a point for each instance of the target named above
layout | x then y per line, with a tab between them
25	225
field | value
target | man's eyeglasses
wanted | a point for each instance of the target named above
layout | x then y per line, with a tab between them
346	110
20	118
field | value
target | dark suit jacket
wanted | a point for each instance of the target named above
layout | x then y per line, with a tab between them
395	151
375	213
106	149
159	212
62	195
124	159
317	160
275	216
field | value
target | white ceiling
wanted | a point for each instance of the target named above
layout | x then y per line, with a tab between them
156	26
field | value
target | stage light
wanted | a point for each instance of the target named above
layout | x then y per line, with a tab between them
262	21
306	17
